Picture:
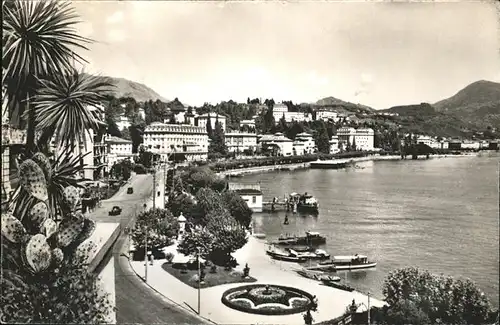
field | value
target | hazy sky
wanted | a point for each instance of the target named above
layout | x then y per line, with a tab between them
378	54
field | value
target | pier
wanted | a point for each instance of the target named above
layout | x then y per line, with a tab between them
331	164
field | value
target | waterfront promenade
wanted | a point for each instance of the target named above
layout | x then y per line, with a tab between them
331	302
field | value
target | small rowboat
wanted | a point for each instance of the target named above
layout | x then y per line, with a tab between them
340	286
285	257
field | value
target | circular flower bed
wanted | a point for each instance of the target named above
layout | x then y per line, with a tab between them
267	299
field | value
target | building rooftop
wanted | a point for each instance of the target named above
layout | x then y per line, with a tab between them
278	137
174	128
113	139
248	191
206	115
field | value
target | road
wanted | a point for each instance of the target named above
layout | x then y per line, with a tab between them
135	301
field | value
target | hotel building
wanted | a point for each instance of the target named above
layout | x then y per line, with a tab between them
363	138
278	144
165	139
237	141
280	110
202	120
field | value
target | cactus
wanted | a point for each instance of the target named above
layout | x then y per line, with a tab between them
49	227
32	179
38	253
13	229
39	213
87	231
69	229
44	163
57	256
72	197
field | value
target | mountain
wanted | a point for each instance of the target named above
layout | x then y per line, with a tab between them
332	101
478	103
138	91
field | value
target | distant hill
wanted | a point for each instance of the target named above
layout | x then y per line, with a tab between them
335	102
138	91
478	103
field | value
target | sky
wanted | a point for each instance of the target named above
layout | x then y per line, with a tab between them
379	54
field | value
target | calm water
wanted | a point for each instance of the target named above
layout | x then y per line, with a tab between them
438	214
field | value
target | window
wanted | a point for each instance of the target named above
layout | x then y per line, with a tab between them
254	199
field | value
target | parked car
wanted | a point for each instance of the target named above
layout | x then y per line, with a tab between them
115	211
130	190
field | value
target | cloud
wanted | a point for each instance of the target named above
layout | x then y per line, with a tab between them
116	17
116	35
366	81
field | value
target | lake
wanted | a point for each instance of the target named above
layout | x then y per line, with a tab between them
437	214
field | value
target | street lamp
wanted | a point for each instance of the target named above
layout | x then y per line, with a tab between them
145	249
199	280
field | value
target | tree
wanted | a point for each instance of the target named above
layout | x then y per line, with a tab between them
112	128
207	201
322	140
39	41
182	203
229	236
198	240
218	143
161	226
126	134
353	147
209	127
411	292
238	208
196	178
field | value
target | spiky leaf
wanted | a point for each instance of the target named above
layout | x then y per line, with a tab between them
38	214
44	164
12	228
72	197
49	227
69	229
32	179
38	253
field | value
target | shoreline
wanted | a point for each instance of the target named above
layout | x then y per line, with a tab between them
332	302
306	165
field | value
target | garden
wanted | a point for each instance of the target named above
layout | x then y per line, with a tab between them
266	299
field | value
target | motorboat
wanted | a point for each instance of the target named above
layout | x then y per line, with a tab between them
304	202
317	275
317	254
337	285
311	238
340	263
283	256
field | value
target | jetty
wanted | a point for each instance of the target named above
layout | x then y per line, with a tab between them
331	164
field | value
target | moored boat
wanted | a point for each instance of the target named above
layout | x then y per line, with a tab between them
286	257
304	202
317	254
340	263
337	285
311	238
317	275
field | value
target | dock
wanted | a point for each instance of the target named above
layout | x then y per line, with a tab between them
331	164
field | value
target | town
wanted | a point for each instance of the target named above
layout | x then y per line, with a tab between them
120	206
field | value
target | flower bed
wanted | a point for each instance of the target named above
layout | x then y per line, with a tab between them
267	299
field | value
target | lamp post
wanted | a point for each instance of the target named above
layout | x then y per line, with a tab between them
368	308
199	280
145	250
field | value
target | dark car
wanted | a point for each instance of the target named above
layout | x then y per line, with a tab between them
115	211
130	190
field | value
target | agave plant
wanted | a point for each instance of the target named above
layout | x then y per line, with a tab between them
44	264
56	176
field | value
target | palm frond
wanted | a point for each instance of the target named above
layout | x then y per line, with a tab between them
39	38
67	104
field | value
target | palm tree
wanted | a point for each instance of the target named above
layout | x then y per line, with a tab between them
39	40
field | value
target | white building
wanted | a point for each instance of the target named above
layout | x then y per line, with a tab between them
278	144
142	113
201	120
165	139
304	142
280	110
118	147
473	145
251	194
334	145
237	141
123	123
363	138
327	115
250	124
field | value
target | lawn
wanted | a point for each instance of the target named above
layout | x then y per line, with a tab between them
190	277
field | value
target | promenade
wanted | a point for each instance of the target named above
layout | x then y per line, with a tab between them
332	302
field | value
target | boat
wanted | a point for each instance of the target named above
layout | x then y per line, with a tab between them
284	256
339	263
304	202
311	238
337	285
317	254
317	275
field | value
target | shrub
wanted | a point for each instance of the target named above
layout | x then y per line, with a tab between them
169	257
140	169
